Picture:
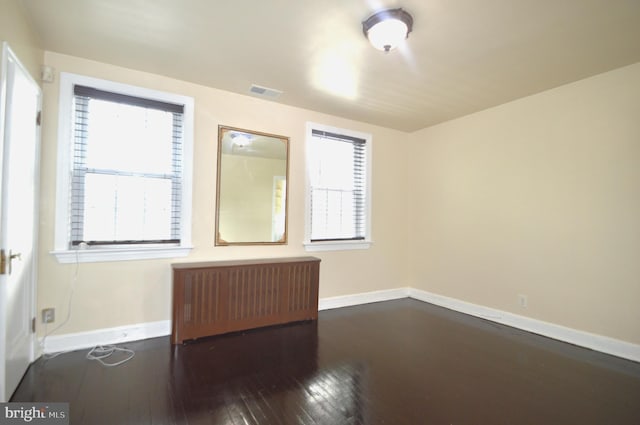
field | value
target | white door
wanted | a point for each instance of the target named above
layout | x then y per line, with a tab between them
20	99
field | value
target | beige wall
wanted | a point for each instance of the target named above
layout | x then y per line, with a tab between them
541	197
16	30
122	293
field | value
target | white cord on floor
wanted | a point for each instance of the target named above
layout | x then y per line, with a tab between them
101	352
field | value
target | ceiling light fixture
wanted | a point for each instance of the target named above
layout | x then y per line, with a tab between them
388	28
240	140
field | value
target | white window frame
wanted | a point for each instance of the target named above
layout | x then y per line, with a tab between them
346	244
61	250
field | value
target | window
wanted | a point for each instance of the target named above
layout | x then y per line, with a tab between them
124	178
338	189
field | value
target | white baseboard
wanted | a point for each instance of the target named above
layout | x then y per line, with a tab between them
600	343
118	335
362	298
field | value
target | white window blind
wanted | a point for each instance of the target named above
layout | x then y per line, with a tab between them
126	169
337	174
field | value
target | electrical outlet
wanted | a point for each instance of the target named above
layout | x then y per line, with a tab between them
522	300
48	315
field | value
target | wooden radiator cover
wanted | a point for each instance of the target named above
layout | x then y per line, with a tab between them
212	298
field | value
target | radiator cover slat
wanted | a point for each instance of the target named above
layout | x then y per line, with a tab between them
212	298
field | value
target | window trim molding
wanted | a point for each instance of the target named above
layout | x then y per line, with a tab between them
91	255
63	175
345	244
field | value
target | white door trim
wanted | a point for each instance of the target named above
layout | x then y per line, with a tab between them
8	53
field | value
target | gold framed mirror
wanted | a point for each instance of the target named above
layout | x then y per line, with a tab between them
251	189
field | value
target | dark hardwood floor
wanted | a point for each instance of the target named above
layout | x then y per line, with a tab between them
397	362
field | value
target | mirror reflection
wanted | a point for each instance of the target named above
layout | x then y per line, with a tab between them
251	187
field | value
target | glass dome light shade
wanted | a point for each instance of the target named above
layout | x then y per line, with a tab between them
388	28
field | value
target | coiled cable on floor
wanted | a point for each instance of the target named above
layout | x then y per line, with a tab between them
101	352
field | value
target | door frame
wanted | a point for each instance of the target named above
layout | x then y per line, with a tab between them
9	55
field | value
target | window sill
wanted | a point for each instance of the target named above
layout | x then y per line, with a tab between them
336	246
95	255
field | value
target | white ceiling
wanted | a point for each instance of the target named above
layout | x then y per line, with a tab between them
462	56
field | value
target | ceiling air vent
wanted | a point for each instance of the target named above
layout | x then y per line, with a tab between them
265	92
